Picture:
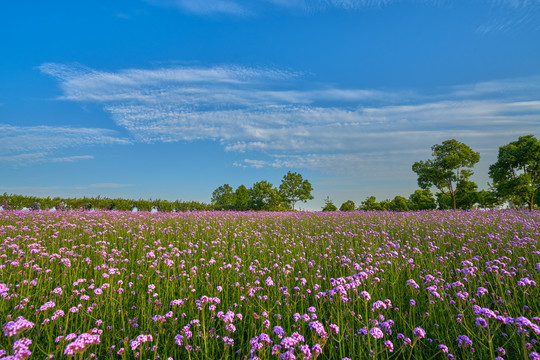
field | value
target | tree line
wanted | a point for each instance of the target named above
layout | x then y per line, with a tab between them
515	175
97	203
263	195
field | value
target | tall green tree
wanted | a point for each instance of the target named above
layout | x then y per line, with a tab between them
517	170
294	188
223	197
452	162
347	206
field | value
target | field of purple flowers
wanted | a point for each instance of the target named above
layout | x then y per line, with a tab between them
227	285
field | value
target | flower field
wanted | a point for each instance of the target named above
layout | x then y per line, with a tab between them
232	285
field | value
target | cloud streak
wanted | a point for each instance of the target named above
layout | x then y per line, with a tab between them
23	145
278	119
239	8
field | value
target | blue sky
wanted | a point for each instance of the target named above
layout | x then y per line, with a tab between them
172	98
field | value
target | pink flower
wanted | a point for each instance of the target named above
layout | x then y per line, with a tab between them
376	332
419	333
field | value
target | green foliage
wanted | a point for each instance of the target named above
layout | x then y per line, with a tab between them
399	203
97	203
488	199
241	197
347	206
451	164
385	205
329	205
264	196
294	188
224	197
517	170
443	201
466	195
422	200
370	204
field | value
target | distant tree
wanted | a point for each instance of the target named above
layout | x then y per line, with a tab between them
517	170
443	201
399	203
385	205
347	206
370	204
241	198
466	195
294	188
451	163
422	200
329	205
223	197
488	199
263	196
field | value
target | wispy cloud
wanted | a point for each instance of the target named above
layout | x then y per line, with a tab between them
509	15
30	144
276	118
103	186
204	6
40	157
238	7
503	15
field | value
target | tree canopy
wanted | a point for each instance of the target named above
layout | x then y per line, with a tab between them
294	188
224	197
517	170
452	162
347	206
422	200
329	205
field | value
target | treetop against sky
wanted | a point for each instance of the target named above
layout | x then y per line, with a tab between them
171	99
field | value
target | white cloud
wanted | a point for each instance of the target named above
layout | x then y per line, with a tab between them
45	138
30	144
40	157
276	114
204	6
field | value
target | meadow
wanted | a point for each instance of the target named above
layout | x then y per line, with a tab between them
258	285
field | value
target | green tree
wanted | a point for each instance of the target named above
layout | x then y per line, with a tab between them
241	198
466	195
264	196
443	201
399	203
370	204
488	199
517	170
451	163
329	205
347	206
422	200
294	188
224	197
385	205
